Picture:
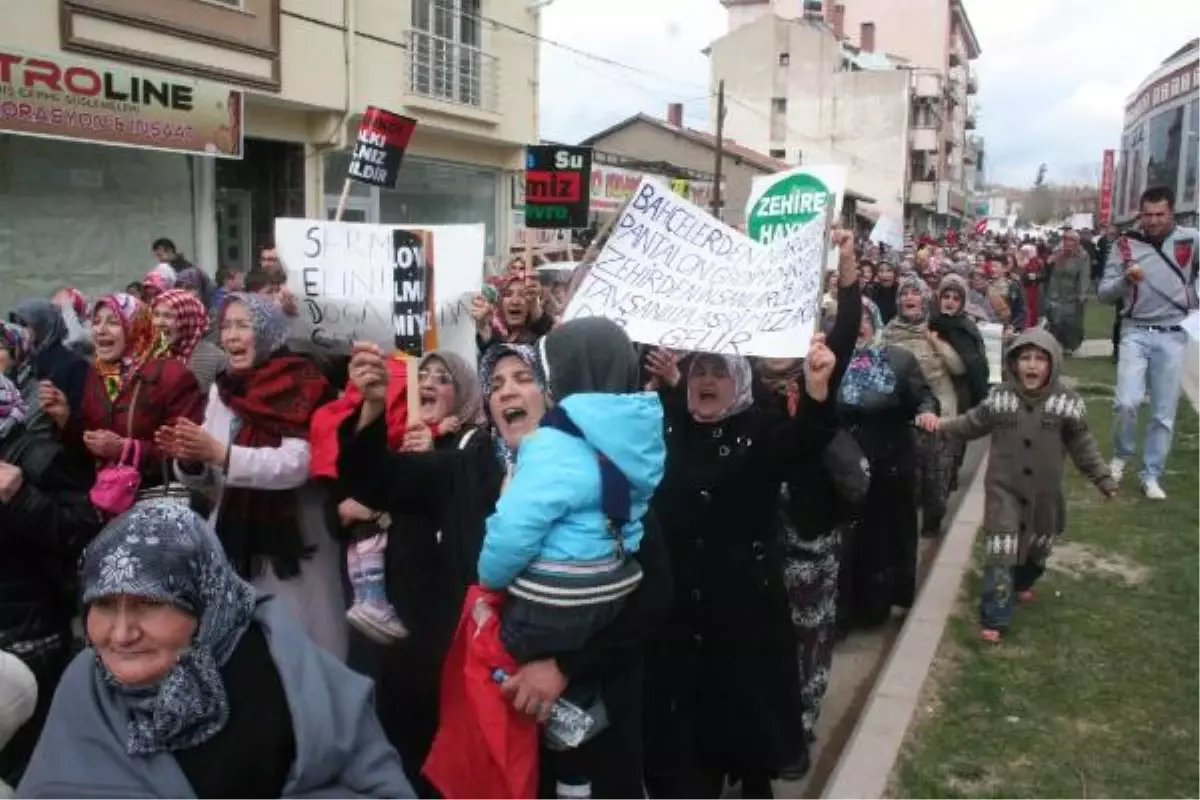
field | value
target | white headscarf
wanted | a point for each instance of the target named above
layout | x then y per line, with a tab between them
738	369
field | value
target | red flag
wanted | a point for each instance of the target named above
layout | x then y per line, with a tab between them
981	227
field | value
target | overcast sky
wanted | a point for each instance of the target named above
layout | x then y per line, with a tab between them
1053	76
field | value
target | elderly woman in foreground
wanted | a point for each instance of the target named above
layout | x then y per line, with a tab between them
193	686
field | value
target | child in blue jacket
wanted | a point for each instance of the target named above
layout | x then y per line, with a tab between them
560	538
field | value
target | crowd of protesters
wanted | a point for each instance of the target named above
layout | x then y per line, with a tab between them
236	564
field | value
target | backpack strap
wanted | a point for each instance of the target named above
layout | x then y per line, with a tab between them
616	492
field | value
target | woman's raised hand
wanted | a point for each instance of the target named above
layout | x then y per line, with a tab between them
663	365
818	368
369	372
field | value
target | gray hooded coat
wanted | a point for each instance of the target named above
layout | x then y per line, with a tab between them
1031	432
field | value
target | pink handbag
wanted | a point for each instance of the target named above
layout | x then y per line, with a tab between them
116	487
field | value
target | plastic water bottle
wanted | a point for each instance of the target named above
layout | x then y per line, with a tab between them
573	789
567	726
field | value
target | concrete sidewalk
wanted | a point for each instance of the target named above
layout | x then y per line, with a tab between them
858	659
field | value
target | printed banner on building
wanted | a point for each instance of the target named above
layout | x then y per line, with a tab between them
558	181
344	276
782	203
382	139
65	97
1107	177
674	276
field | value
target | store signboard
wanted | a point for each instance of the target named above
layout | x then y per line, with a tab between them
65	97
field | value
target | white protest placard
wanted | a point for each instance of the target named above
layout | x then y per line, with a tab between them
674	276
889	230
993	345
342	274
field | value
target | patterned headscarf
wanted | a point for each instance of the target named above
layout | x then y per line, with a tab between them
158	280
15	339
13	409
913	282
191	323
162	551
739	370
870	368
487	367
468	399
76	299
138	324
269	322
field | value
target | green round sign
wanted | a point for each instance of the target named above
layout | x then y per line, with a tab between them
785	206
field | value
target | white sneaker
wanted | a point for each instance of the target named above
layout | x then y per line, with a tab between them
1153	491
1117	468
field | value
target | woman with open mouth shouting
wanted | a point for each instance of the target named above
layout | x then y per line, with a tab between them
129	393
459	488
250	458
509	311
399	569
723	685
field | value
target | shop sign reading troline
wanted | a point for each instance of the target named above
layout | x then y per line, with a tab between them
64	97
780	204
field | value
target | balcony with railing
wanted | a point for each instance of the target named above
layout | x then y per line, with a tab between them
925	140
453	72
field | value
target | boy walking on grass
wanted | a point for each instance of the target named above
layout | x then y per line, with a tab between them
1034	421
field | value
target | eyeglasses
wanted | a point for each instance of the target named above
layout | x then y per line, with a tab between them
435	376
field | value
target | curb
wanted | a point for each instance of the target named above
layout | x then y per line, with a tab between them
869	756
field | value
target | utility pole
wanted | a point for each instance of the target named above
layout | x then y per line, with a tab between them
716	195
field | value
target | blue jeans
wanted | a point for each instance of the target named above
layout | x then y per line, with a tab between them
1154	358
998	589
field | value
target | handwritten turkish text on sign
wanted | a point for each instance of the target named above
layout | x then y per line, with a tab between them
557	186
382	139
676	277
344	276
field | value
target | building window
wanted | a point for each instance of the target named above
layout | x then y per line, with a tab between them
776	152
785	59
778	105
1193	153
448	62
1163	148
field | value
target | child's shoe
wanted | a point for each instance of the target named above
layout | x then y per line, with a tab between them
990	635
372	615
379	622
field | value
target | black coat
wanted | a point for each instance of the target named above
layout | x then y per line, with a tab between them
723	689
43	530
456	490
961	332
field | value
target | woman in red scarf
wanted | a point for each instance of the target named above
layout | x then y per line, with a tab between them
1031	269
129	394
182	321
251	459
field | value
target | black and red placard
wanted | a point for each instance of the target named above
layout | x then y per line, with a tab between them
382	139
558	186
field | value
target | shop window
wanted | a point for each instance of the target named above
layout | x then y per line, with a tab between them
1192	171
428	191
1164	140
447	58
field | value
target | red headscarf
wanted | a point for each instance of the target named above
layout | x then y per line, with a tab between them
191	323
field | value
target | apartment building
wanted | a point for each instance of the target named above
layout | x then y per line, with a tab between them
204	120
863	84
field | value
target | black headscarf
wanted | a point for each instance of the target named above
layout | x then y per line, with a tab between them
961	332
590	354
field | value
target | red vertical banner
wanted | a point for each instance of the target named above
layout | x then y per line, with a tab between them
1107	174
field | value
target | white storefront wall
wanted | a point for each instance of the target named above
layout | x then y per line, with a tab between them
82	214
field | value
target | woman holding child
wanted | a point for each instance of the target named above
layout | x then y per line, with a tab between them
459	487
